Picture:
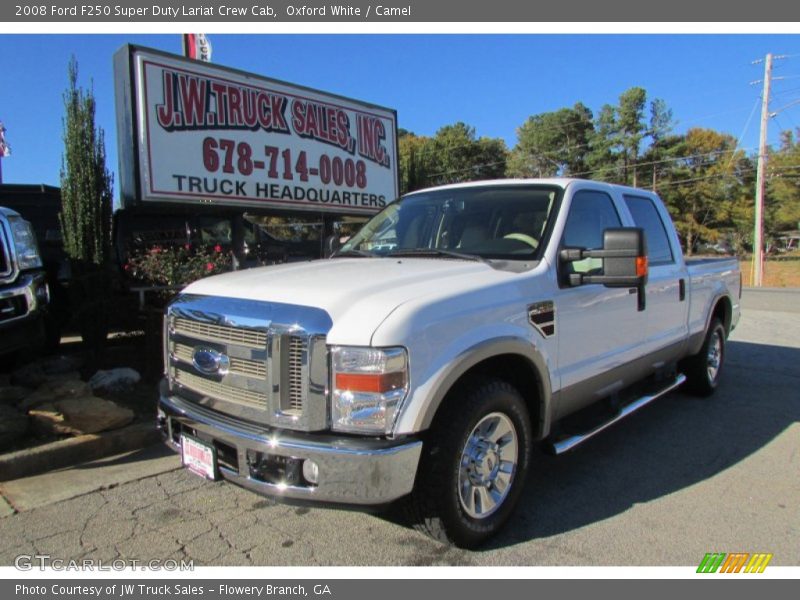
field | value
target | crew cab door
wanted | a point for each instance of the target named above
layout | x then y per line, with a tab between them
666	290
599	329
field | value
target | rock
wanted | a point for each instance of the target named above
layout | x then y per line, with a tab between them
59	388
76	416
45	419
30	376
13	426
35	374
114	380
68	388
61	365
11	394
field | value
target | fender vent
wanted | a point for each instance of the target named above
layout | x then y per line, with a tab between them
542	316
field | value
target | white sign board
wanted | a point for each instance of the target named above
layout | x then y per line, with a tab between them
207	134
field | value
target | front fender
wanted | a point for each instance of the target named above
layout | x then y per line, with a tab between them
420	407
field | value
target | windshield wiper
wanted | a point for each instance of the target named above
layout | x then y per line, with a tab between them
413	252
362	253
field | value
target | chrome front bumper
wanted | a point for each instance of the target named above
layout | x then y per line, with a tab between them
359	471
31	289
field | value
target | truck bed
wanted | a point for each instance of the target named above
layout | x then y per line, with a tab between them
709	279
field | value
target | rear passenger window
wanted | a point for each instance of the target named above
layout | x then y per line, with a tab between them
590	214
646	216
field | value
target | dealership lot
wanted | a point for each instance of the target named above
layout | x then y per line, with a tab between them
682	477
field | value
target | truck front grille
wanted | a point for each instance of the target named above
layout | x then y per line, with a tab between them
221	391
221	333
297	350
13	307
250	360
5	255
241	366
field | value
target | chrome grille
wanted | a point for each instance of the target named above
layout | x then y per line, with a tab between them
221	333
275	357
211	388
297	348
240	366
5	255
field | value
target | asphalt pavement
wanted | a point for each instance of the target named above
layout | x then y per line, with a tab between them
680	478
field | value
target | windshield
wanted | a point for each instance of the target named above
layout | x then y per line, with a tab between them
499	222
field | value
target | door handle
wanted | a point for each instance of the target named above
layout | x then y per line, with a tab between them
681	290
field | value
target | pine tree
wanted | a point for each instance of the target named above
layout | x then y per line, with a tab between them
86	193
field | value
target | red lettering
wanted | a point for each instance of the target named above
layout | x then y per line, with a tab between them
193	100
343	128
371	135
249	109
167	117
220	90
235	116
278	119
298	117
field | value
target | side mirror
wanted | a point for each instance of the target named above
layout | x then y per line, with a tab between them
624	257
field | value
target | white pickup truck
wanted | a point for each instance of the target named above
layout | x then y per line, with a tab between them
459	327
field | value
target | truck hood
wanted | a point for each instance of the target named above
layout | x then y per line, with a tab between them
357	293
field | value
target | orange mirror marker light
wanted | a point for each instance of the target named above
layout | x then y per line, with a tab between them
641	266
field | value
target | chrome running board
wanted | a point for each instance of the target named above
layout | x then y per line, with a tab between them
568	443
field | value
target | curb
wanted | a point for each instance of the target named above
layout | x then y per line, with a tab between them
72	451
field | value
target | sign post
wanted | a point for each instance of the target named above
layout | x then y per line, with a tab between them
5	149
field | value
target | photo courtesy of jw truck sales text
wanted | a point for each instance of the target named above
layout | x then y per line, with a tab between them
198	133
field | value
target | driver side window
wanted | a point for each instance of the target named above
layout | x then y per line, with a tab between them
590	214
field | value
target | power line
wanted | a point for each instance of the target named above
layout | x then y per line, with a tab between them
746	127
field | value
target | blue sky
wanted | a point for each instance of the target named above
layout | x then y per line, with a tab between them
492	82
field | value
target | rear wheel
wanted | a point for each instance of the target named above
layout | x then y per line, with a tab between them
474	464
703	369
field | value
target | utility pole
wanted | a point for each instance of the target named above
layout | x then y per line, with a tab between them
758	230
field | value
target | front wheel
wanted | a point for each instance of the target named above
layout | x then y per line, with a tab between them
703	369
474	464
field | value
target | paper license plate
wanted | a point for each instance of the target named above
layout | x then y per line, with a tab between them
198	457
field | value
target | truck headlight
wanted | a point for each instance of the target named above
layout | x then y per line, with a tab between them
27	249
367	386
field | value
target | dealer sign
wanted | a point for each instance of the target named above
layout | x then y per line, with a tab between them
192	132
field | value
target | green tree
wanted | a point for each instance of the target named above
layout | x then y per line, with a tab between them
455	154
661	124
86	194
704	185
631	130
553	143
782	206
602	157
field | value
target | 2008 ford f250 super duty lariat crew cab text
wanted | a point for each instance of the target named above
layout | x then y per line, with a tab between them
459	327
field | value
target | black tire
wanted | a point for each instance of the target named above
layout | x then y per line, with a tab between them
703	369
436	506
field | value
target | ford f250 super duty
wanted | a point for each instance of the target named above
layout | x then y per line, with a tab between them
24	292
459	327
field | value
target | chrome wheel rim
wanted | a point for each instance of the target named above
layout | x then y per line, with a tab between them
488	465
714	357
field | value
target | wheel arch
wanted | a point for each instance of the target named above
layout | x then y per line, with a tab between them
510	359
722	309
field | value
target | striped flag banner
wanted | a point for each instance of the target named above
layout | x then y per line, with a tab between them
197	46
5	149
